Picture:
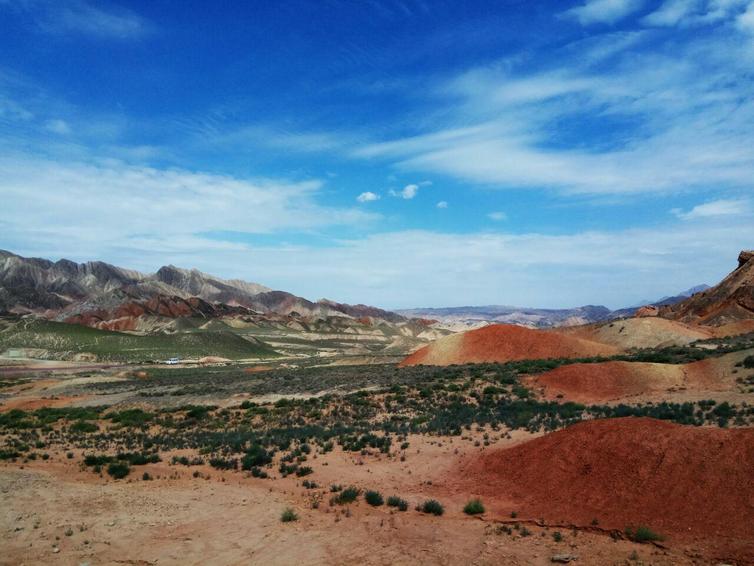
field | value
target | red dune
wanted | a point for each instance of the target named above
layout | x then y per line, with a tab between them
620	381
503	343
692	485
596	383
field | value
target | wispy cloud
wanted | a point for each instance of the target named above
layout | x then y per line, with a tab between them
604	11
58	126
722	207
672	119
99	207
408	192
368	196
442	204
81	17
497	216
694	12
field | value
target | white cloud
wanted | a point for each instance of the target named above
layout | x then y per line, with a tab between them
497	216
97	208
722	207
694	12
442	204
670	13
684	122
745	21
143	217
408	192
476	268
604	11
368	196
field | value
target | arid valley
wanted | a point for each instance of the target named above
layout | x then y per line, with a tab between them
622	441
376	283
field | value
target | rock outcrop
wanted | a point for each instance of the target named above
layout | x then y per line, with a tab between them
729	301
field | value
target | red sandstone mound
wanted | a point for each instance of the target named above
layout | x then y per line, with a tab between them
622	381
692	485
597	383
503	343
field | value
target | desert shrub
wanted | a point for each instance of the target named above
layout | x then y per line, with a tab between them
374	498
348	495
304	471
642	534
131	417
255	456
223	464
395	501
288	516
432	506
286	469
146	477
748	362
139	459
335	488
118	470
97	460
473	507
84	426
557	536
258	473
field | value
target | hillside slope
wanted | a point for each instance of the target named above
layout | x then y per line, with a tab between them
503	343
729	301
688	483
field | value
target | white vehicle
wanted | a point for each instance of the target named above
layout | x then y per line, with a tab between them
172	361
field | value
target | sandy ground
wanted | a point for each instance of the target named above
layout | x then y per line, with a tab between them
55	513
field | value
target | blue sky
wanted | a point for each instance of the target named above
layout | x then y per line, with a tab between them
393	152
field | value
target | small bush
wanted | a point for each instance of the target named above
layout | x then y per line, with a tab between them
258	473
643	534
395	501
304	471
222	464
288	516
146	477
348	495
84	426
474	507
749	362
557	536
256	456
374	498
118	470
432	506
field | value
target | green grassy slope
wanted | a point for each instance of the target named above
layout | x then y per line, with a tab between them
118	346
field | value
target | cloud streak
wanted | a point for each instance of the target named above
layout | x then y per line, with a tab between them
82	18
603	11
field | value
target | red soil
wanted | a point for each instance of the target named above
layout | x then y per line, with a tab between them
693	485
505	342
596	383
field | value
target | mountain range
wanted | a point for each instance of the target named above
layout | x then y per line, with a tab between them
470	316
80	292
102	295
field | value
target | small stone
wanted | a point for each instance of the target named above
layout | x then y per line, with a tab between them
563	558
